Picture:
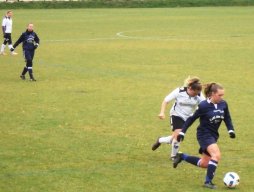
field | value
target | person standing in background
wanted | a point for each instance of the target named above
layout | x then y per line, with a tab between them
30	41
7	30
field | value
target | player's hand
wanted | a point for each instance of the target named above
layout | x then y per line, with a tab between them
161	116
180	137
12	49
36	46
232	134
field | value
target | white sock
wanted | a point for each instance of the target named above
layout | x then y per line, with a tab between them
175	148
167	140
2	48
10	46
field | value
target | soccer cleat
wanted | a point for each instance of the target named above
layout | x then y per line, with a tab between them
13	53
177	159
32	79
3	53
156	145
172	158
23	77
209	185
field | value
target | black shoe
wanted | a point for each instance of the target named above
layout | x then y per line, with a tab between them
156	145
32	79
23	77
209	185
177	159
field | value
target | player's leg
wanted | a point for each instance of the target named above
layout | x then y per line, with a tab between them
160	140
175	144
215	154
200	162
4	45
29	63
10	44
165	139
25	69
177	124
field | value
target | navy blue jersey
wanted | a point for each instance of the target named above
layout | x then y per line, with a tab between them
29	39
210	116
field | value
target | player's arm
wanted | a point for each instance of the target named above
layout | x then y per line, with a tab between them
165	102
20	40
188	123
3	26
37	41
228	122
163	108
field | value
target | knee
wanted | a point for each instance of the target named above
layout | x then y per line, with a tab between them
203	163
29	62
216	157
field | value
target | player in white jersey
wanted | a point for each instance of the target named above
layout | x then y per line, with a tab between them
7	30
186	99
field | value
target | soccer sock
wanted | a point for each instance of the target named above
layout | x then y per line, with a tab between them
191	159
10	46
212	165
175	148
24	71
30	70
2	48
167	140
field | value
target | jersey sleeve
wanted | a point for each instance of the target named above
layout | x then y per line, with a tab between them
20	40
37	39
227	119
4	25
3	22
191	119
171	96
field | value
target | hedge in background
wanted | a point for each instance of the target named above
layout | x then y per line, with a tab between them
123	4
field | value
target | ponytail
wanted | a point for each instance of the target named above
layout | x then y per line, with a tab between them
193	83
211	88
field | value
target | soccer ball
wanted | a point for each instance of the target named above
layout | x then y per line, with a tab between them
231	179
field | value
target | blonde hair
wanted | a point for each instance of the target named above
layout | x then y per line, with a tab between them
193	83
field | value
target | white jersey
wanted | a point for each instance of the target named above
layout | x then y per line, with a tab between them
7	24
184	105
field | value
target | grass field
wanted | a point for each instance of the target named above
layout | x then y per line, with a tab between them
89	121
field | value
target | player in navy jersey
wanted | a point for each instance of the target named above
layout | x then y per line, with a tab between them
30	42
211	113
186	100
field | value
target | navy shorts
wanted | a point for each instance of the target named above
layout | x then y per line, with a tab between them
176	122
204	142
7	38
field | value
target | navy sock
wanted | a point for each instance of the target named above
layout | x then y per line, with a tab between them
212	165
191	159
24	71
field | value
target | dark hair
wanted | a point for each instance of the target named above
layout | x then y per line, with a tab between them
211	88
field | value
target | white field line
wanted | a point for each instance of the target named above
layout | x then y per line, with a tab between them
71	40
165	38
123	35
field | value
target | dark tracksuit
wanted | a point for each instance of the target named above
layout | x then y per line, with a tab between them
30	42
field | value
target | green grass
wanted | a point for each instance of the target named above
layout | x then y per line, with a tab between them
89	121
